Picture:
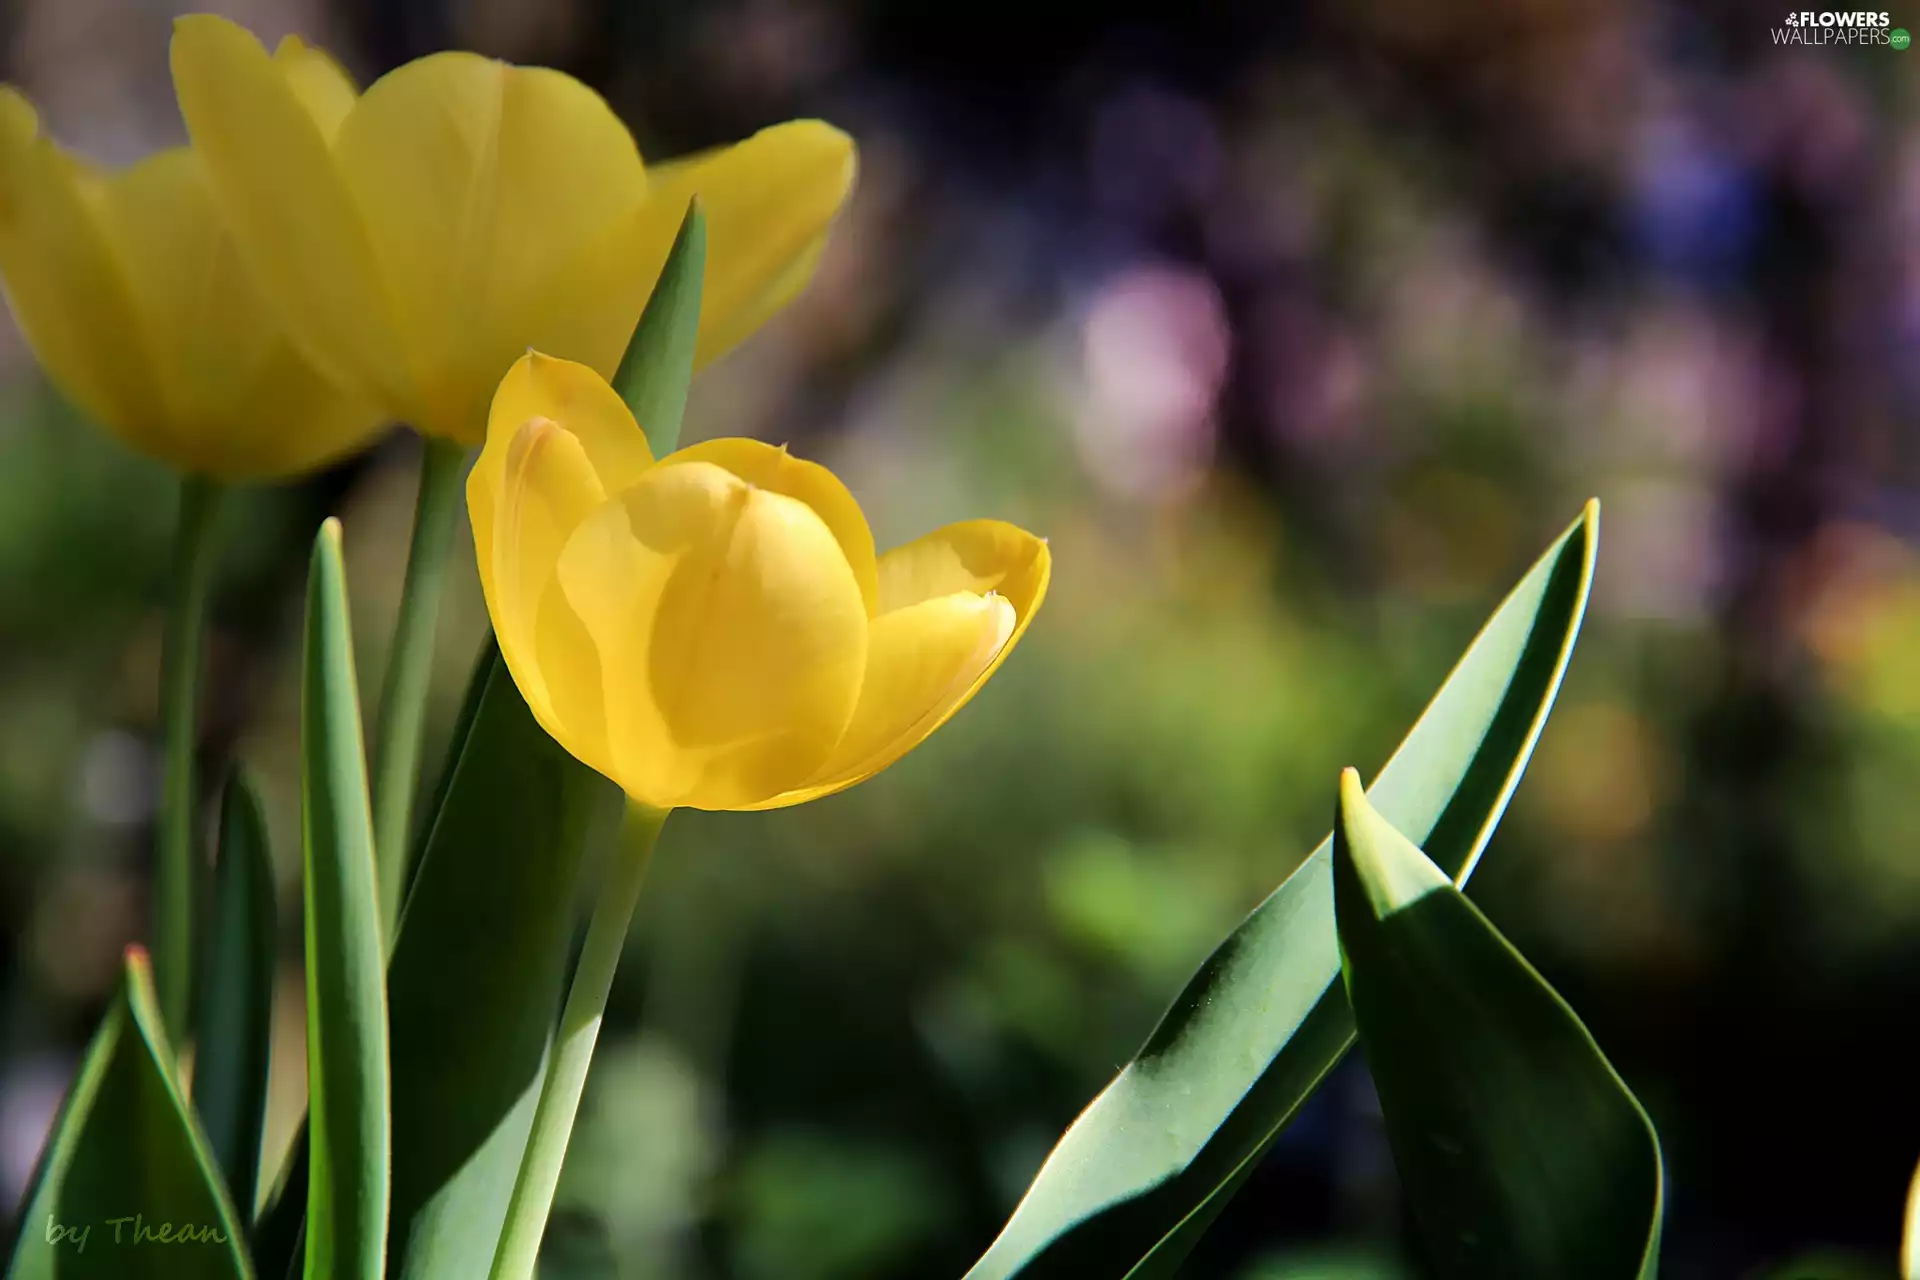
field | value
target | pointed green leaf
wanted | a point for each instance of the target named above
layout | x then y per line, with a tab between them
236	994
1522	1152
276	1236
1147	1166
127	1166
477	976
516	826
481	910
347	1088
654	373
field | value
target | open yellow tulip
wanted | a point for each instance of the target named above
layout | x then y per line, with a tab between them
133	295
713	630
422	236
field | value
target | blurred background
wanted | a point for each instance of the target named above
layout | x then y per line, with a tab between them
1300	331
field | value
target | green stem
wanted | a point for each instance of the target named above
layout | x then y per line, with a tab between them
519	1250
403	693
176	864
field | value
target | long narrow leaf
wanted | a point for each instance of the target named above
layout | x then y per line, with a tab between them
482	911
1144	1170
658	364
493	907
127	1188
276	1235
477	977
347	1085
236	995
1522	1152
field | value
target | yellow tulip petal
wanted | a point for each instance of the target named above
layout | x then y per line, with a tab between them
731	632
322	84
573	395
296	223
578	399
980	556
64	281
592	298
768	202
478	181
923	662
237	401
160	218
921	636
973	555
763	465
547	490
740	317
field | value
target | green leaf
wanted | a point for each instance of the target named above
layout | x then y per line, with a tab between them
1141	1174
127	1166
1522	1152
654	374
347	1087
491	907
477	976
236	994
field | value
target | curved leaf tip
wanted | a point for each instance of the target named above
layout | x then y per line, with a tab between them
1384	864
126	1143
1138	1177
1522	1152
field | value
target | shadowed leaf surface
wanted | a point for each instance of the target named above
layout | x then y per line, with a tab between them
1145	1169
233	1047
1522	1152
347	1080
127	1174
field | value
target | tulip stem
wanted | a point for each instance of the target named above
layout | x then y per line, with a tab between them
176	861
519	1250
403	693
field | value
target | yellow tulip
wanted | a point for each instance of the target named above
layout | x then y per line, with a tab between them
132	293
713	630
421	236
